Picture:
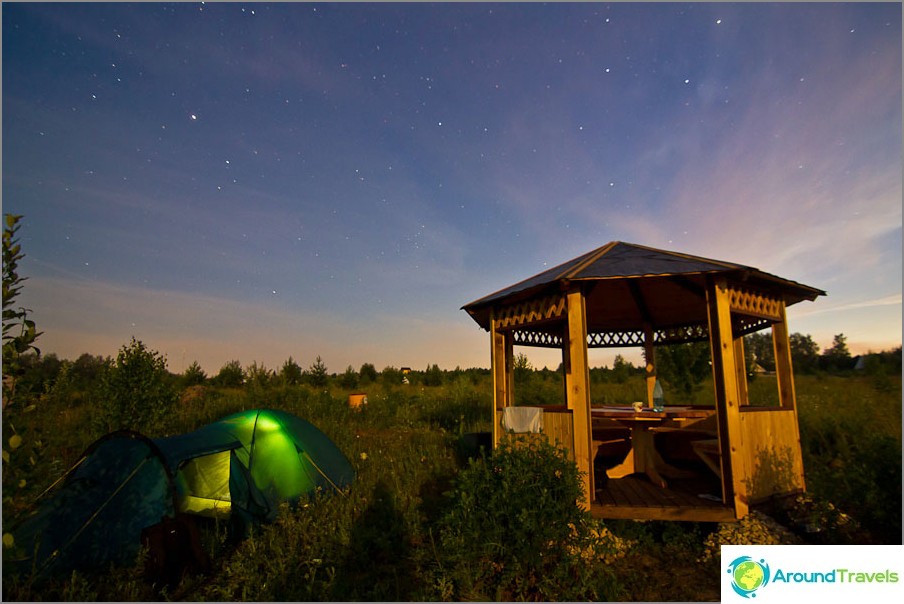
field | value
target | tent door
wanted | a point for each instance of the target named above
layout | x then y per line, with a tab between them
207	485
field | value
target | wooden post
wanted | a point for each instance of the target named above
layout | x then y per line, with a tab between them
784	373
734	471
577	388
649	355
741	371
501	347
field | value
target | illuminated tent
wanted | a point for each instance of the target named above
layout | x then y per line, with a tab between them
243	465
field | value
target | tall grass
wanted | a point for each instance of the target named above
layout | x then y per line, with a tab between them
383	539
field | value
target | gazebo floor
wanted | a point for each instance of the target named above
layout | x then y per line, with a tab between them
634	497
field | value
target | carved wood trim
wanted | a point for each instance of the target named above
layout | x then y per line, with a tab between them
531	311
754	303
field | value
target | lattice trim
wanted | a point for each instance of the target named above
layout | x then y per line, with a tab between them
538	338
628	338
614	339
531	311
754	303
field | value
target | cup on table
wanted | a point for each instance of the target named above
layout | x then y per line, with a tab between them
638	406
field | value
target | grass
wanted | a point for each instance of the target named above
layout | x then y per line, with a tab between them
382	540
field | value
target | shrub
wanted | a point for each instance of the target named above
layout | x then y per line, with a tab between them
136	392
19	332
515	531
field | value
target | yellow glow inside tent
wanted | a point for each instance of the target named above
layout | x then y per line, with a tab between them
207	485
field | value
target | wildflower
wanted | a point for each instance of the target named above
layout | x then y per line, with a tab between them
363	456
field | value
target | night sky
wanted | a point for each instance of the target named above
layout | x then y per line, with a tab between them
257	181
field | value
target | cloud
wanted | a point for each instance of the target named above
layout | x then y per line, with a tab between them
892	300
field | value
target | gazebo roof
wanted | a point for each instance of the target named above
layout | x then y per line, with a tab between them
628	285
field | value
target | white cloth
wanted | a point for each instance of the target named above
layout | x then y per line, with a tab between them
522	419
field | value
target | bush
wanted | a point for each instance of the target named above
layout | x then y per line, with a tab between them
515	531
136	392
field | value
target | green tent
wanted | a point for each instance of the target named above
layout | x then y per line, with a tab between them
243	466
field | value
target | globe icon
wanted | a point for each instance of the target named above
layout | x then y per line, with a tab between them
748	575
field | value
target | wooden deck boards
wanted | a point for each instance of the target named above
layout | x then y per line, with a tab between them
635	497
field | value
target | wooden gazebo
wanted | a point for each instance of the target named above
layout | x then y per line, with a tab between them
623	295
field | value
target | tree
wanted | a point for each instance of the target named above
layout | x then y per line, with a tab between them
87	369
317	373
231	375
762	350
257	375
194	375
522	367
804	353
621	369
349	379
136	392
683	366
433	376
368	373
837	357
291	373
391	376
19	332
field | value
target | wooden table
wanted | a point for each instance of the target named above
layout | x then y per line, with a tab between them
643	456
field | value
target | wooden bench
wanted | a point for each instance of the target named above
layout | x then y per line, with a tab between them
710	452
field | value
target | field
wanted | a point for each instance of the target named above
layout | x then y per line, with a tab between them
394	537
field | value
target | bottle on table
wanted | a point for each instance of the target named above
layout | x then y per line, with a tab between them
658	404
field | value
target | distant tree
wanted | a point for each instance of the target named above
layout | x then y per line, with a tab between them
391	376
522	367
317	373
231	375
621	369
349	380
804	353
761	349
38	373
290	373
433	376
683	367
837	357
889	361
194	375
258	376
368	373
599	375
87	369
137	391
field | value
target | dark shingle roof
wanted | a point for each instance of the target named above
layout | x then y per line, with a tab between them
618	260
